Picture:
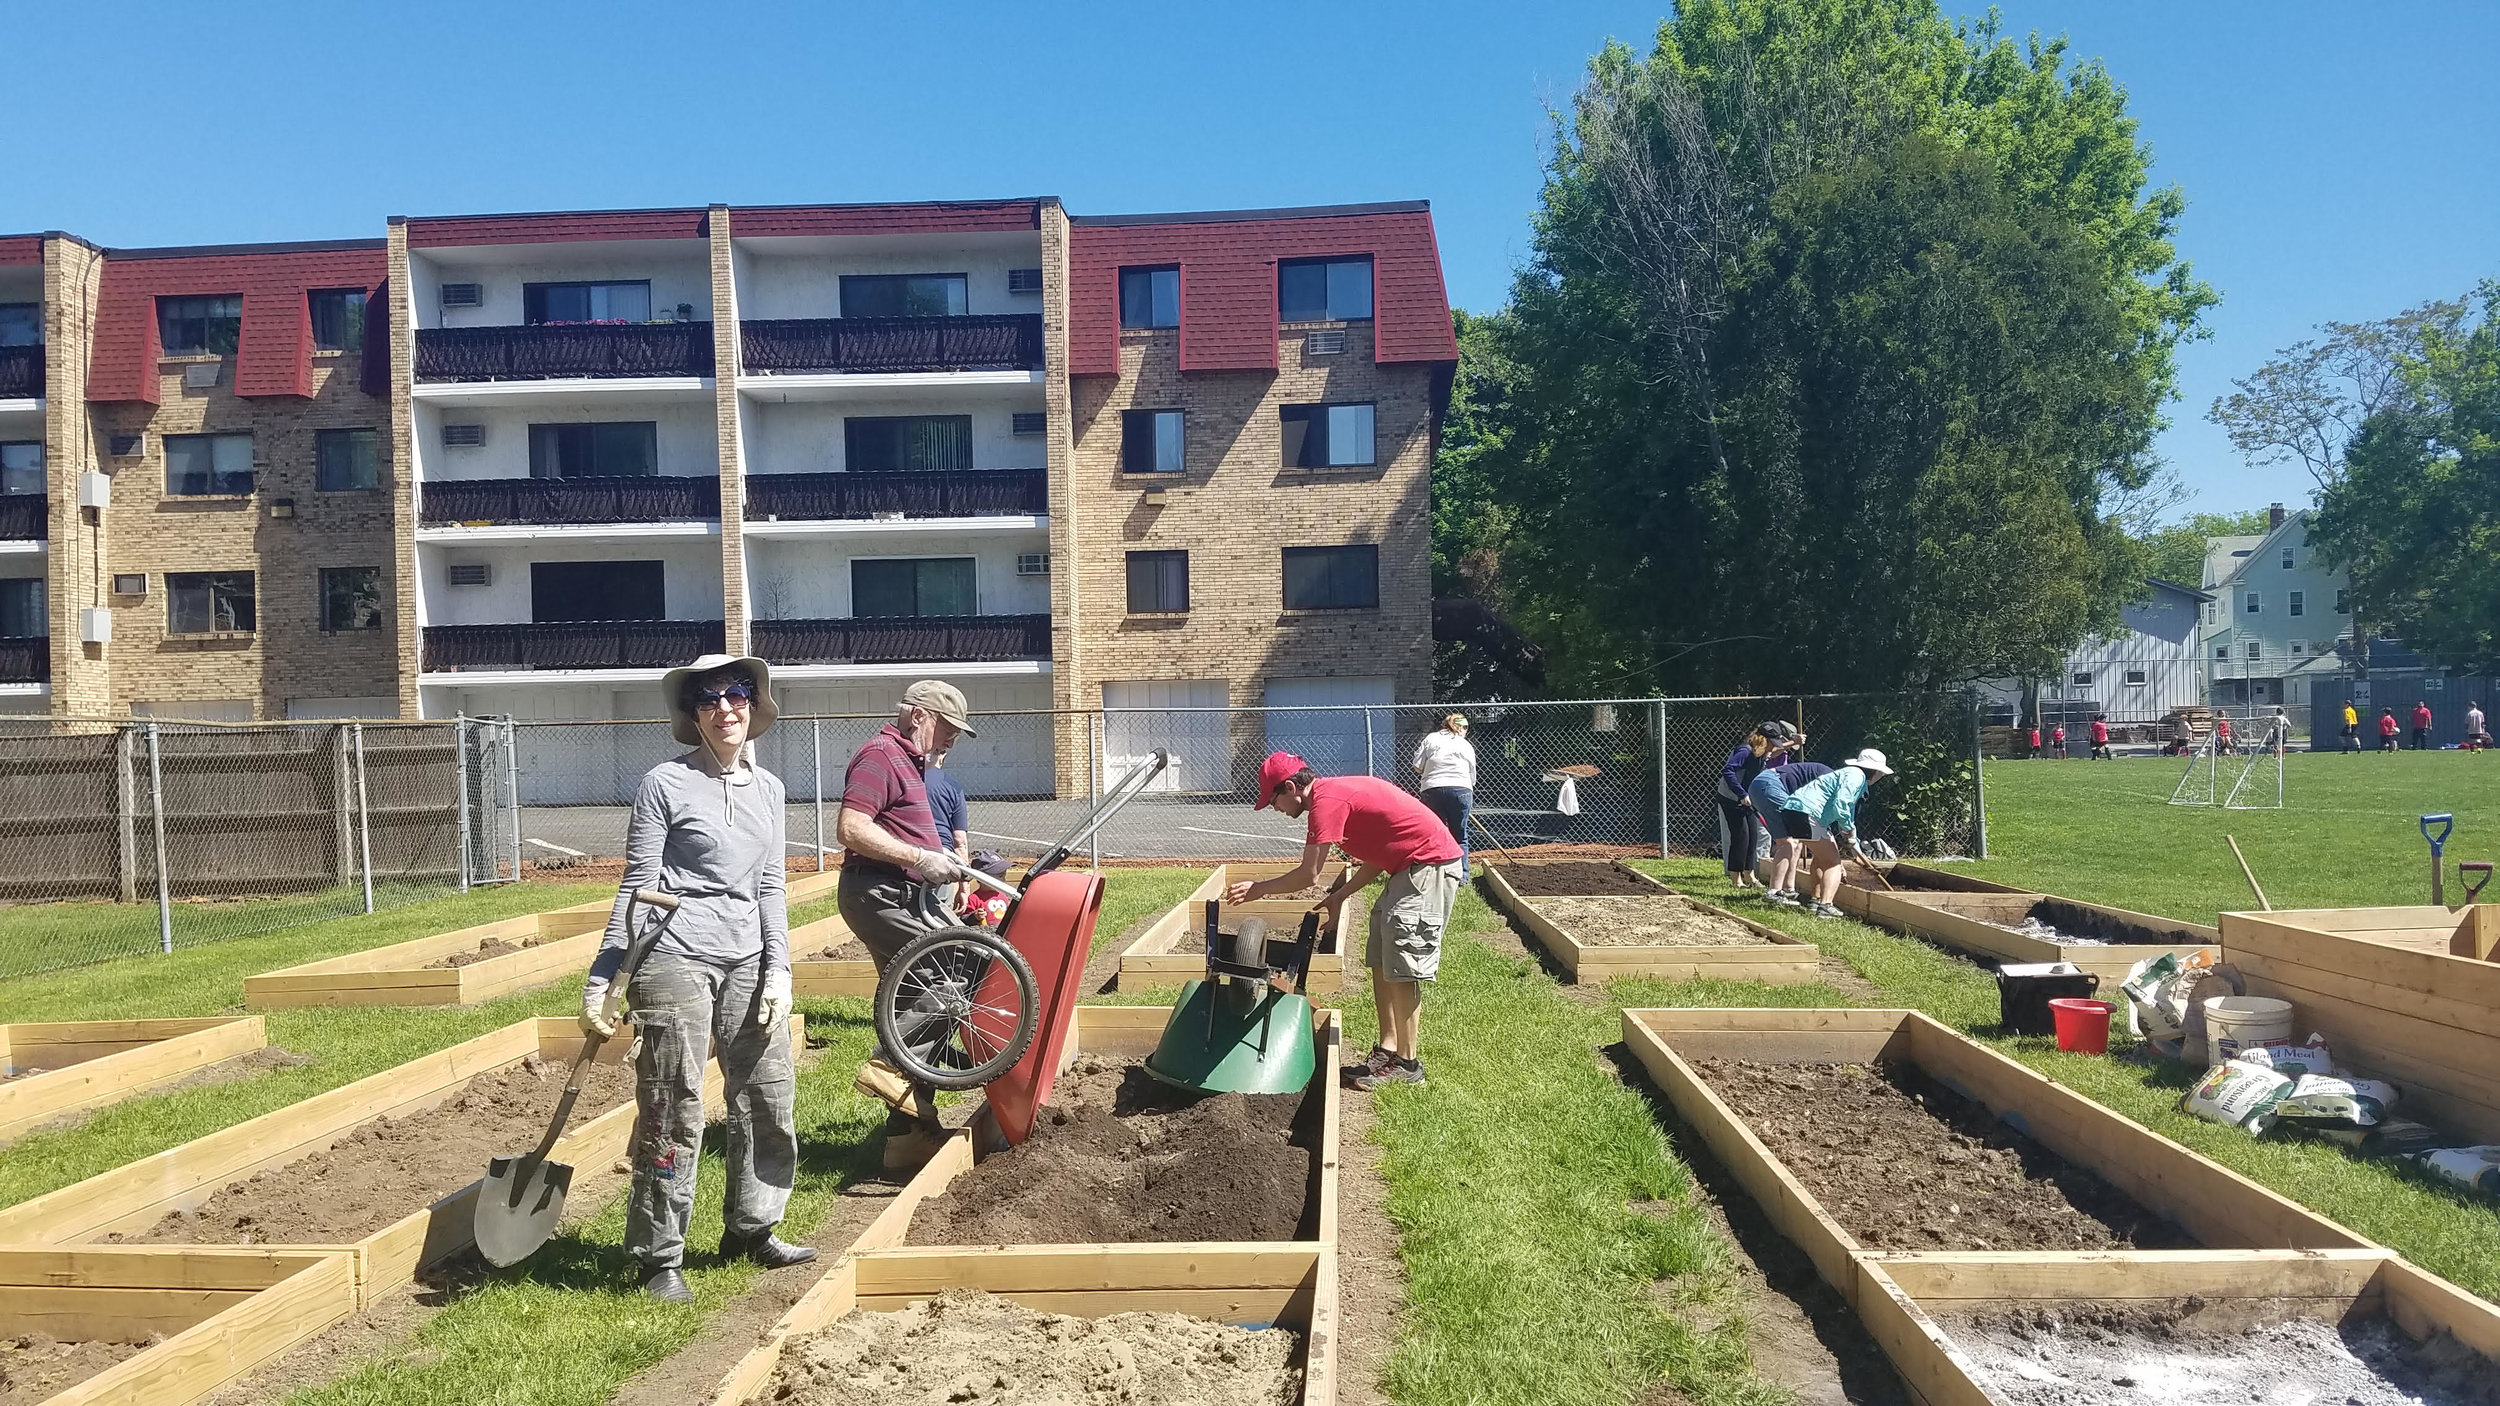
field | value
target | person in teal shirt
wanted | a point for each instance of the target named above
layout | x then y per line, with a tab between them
1830	806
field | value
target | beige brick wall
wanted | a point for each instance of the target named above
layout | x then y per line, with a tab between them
407	640
726	415
80	550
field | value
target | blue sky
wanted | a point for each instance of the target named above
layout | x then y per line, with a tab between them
2339	162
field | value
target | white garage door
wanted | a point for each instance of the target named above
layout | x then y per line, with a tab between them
1330	734
1139	716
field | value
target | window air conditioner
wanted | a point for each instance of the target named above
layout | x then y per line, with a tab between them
1032	563
1024	280
130	583
1329	343
463	436
473	573
1031	421
201	375
464	295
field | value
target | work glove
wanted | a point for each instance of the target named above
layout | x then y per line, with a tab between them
936	866
1849	843
773	1008
595	1018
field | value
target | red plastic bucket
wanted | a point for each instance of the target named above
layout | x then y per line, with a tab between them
2082	1026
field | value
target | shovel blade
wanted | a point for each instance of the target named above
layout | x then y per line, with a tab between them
518	1207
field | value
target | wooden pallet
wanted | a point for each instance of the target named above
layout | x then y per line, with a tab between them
2383	988
130	1199
1150	963
222	1311
2218	1206
1967	922
1908	1301
91	1063
1780	959
403	973
1293	1283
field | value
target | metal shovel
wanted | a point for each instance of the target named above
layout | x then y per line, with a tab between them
522	1198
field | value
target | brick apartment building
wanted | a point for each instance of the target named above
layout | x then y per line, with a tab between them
520	464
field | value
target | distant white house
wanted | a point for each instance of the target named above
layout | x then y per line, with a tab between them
2139	674
2274	616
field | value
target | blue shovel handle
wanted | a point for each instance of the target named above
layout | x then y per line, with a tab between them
2439	841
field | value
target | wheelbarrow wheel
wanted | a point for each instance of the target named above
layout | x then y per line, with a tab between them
957	1008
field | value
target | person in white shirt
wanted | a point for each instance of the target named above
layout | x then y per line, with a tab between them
1446	765
2476	738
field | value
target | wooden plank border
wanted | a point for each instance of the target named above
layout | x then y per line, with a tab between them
1951	920
1292	1282
1149	963
132	1198
92	1063
1780	959
223	1310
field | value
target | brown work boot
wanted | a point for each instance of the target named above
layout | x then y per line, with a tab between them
880	1080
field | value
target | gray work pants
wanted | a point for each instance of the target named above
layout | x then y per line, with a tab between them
685	1011
885	913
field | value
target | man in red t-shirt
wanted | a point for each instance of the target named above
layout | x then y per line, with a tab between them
2422	726
1384	831
2100	740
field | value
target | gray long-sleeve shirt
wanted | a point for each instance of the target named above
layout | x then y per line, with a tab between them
718	846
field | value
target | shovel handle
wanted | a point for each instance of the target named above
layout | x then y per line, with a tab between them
592	1040
2446	823
2481	870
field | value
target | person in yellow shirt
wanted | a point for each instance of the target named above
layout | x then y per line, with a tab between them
2352	729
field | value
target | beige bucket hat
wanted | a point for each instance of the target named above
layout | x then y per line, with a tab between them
681	715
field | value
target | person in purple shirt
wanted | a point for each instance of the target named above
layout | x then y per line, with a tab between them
1740	830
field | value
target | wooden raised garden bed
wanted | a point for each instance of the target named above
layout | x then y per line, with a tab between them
1906	877
1923	1310
189	1320
2381	985
1291	1283
1981	924
821	976
549	945
2200	1201
128	1201
72	1066
1151	961
1776	957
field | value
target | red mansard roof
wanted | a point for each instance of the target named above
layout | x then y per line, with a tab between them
1228	281
555	227
276	354
930	217
21	248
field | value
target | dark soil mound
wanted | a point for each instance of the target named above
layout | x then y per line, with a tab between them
1575	879
1906	1164
36	1367
1119	1157
491	947
849	949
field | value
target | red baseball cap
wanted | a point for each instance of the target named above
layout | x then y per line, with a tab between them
1278	768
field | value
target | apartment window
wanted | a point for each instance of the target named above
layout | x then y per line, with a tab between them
338	319
347	461
607	449
1150	441
209	602
2287	558
2298	601
21	467
1324	290
2343	602
1158	582
22	611
902	586
2136	678
586	302
888	444
598	590
1327	436
2252	603
351	598
903	295
2256	650
206	465
2222	651
2295	649
199	326
2082	680
21	324
1332	578
1150	297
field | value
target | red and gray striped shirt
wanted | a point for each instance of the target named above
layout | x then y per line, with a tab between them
885	783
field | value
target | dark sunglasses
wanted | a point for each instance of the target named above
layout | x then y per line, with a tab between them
721	697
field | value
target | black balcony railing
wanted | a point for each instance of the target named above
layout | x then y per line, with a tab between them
642	498
564	351
999	342
933	639
570	644
938	493
21	373
25	658
24	517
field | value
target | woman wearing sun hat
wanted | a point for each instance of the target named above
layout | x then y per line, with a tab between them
709	827
1830	805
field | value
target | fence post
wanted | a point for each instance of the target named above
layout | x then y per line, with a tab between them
342	832
156	807
512	769
1979	779
1093	784
126	806
1661	714
460	778
817	726
364	817
1371	764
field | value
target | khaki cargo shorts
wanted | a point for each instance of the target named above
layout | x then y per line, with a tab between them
1408	919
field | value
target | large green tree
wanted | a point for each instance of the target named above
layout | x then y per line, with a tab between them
2176	552
1842	348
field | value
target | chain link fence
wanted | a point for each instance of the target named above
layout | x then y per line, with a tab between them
122	838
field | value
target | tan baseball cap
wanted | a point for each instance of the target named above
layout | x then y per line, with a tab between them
943	699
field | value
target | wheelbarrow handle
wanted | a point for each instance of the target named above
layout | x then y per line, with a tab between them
992	881
2446	822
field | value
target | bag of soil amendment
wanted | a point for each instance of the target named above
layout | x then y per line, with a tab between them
2337	1101
2284	1057
2157	1001
2476	1168
2238	1095
2395	1137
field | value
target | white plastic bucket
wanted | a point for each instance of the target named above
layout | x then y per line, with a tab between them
2233	1023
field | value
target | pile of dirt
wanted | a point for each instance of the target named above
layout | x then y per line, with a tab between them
37	1368
1657	920
1581	878
382	1170
2090	925
1119	1156
1904	1163
2166	1351
491	947
970	1347
849	949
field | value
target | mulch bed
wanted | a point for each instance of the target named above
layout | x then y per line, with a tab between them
1906	1164
1578	878
1656	920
